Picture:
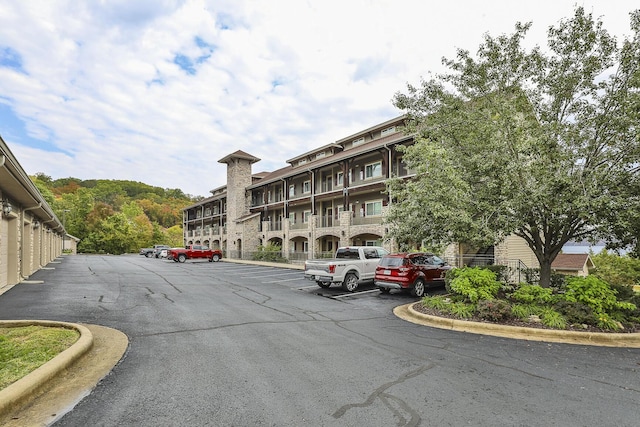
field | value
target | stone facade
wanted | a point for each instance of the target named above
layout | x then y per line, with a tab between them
329	197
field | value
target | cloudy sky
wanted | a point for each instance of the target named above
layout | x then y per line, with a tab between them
158	91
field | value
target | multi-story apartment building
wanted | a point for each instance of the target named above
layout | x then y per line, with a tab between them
329	197
332	196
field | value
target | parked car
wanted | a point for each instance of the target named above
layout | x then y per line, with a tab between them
411	272
194	252
149	252
351	266
163	253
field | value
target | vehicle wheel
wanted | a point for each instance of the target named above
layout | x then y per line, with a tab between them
323	284
418	288
385	290
215	258
350	283
182	258
148	254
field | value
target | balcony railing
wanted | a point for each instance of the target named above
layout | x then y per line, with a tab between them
327	221
275	226
298	225
366	220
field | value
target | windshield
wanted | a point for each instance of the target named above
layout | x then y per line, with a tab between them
391	261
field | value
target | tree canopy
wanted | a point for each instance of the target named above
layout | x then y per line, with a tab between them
115	216
539	143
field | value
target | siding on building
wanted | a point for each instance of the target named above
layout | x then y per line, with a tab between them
31	235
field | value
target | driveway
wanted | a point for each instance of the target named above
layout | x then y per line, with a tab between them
224	344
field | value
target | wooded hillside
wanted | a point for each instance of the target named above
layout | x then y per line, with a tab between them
115	216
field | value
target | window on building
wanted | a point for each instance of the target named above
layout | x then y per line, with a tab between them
292	190
321	155
306	187
339	179
302	161
388	131
373	208
305	216
373	170
358	141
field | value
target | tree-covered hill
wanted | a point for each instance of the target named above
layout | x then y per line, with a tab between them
115	216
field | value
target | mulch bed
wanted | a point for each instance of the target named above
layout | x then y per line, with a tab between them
517	322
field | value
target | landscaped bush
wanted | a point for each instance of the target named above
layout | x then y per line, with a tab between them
595	293
576	313
580	301
535	294
475	284
552	318
617	270
270	253
494	310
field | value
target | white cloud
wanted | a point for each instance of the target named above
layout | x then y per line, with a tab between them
159	91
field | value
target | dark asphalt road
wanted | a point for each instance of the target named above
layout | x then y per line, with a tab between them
224	344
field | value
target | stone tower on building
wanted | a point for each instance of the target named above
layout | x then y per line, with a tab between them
240	233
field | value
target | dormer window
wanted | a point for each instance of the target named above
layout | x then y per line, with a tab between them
358	141
388	131
302	161
321	155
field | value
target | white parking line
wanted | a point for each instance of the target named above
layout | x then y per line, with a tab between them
285	280
354	293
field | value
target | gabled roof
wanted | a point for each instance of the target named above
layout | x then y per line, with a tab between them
373	145
575	262
239	155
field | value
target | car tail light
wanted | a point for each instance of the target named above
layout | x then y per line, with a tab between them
332	269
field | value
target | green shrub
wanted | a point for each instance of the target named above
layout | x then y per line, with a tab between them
450	276
501	272
603	321
475	284
575	312
270	253
532	294
524	311
494	310
438	302
595	293
553	319
462	310
617	270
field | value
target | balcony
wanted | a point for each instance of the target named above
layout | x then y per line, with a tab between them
275	226
298	225
366	220
327	221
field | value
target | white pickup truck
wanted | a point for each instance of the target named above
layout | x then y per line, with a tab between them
351	266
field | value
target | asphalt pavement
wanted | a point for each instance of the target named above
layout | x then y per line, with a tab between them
45	396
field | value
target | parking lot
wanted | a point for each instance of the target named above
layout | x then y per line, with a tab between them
235	344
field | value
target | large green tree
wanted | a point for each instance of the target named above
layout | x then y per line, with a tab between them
533	142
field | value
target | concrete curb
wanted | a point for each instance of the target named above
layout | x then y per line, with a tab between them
265	263
28	387
631	340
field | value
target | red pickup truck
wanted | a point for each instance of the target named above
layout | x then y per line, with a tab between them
194	252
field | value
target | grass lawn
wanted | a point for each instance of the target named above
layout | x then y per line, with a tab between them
24	349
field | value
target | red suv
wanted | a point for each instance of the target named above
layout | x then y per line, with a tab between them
410	271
